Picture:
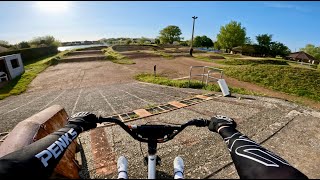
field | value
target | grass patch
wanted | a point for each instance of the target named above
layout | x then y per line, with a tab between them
32	69
292	80
116	57
204	58
252	62
148	106
150	78
161	53
227	55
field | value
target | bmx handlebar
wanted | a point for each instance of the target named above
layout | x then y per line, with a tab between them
155	133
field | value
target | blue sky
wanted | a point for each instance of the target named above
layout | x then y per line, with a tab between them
292	23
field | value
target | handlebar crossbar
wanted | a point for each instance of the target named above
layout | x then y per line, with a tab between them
155	133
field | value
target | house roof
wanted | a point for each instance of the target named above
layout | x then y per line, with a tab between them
301	55
237	49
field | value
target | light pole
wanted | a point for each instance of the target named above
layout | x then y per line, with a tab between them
191	49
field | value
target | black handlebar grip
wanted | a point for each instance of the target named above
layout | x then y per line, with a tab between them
202	123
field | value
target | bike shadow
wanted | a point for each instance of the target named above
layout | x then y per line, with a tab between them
163	175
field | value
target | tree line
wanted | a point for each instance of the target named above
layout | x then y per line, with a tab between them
232	37
42	41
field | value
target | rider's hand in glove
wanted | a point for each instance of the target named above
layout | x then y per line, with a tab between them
84	120
218	122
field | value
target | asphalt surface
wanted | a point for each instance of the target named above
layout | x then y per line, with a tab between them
105	100
204	153
289	130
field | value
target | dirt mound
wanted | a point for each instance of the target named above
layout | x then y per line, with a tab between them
170	46
139	55
92	48
122	48
216	57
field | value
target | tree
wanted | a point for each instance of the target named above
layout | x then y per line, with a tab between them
128	41
23	44
5	44
217	45
312	50
157	41
264	42
231	35
279	49
184	43
248	40
170	34
44	41
197	42
202	41
248	49
142	40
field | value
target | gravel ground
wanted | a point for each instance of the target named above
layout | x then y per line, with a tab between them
204	153
106	88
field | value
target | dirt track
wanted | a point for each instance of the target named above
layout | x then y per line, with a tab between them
107	88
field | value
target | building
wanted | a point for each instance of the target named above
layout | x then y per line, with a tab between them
11	66
302	56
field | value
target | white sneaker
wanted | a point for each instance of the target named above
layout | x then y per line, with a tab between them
122	166
178	167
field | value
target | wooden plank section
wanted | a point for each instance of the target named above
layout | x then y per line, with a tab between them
104	158
142	113
204	97
177	104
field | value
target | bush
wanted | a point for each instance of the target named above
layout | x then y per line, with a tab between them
254	62
29	55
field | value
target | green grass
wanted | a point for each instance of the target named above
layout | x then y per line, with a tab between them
252	62
160	53
116	57
150	78
150	106
204	58
32	69
292	80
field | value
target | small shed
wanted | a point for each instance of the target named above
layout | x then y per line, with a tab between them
302	56
11	66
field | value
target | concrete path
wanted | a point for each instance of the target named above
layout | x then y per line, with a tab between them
287	129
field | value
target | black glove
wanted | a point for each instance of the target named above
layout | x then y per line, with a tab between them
219	121
85	120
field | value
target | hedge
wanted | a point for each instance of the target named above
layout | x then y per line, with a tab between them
30	54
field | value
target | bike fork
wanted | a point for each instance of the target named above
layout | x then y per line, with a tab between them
152	159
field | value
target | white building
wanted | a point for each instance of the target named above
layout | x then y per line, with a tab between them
11	66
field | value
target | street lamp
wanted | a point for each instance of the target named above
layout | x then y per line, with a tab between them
191	49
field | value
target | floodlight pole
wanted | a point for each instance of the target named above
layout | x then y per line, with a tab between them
191	48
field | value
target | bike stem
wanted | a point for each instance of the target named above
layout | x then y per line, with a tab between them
152	159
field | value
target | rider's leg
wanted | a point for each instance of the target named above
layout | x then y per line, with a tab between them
178	168
122	168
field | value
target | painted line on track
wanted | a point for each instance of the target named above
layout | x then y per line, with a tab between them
189	92
138	97
75	104
25	104
53	100
13	101
107	102
154	91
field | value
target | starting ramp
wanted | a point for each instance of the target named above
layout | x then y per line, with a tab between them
207	77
